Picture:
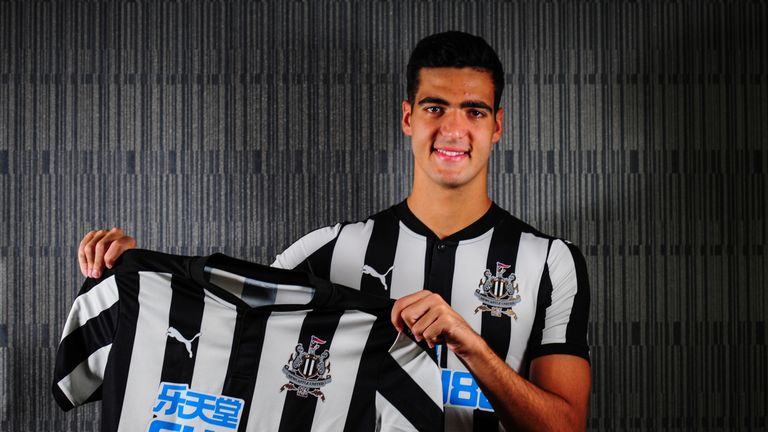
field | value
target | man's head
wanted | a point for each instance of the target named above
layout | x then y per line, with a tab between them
452	113
454	49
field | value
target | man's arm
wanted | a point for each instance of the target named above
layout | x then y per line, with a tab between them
557	396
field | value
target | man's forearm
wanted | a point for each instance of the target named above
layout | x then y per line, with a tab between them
519	404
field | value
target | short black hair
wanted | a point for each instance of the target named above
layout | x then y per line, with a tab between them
454	49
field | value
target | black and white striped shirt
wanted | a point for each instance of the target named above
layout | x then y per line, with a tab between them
219	344
524	292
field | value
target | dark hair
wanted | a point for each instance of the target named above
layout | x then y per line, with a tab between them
454	49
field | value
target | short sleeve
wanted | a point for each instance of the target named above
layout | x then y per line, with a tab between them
85	344
296	256
562	312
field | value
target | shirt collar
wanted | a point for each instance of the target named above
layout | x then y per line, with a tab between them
475	229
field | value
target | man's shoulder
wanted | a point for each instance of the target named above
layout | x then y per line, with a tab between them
509	221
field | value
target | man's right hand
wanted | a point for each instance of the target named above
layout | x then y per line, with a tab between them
101	248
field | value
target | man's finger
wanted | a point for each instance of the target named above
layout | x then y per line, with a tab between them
101	248
403	303
117	248
90	250
81	256
426	321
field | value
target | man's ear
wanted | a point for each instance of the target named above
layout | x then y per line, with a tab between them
498	119
405	123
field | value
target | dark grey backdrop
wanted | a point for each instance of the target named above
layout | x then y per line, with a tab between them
636	129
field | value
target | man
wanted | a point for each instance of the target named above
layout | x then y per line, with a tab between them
505	305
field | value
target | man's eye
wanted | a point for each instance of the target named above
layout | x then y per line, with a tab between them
476	113
434	109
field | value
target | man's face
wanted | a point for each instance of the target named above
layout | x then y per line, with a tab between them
452	126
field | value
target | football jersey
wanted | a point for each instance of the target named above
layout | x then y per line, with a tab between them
174	343
524	292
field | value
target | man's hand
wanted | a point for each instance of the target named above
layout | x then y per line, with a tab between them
430	318
100	248
556	397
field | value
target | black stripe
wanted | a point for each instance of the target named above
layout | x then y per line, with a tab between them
408	397
298	412
441	259
244	358
543	301
576	331
319	262
119	362
84	341
496	331
186	316
380	254
362	408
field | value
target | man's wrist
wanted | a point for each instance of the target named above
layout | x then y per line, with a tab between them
476	351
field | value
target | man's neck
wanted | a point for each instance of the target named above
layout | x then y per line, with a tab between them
447	211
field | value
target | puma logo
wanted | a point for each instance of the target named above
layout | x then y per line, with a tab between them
382	277
172	332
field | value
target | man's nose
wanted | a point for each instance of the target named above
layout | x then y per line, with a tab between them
454	124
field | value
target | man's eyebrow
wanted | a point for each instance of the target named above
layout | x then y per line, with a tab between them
476	104
465	104
433	100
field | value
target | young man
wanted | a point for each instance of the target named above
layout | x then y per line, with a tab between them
505	305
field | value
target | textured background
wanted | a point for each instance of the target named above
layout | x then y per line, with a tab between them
636	129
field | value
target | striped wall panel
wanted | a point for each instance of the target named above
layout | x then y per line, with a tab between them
638	130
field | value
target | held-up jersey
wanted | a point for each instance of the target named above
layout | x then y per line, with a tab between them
524	292
174	343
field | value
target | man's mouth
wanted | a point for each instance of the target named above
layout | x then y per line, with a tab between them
451	153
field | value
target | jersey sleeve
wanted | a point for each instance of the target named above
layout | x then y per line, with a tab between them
85	344
308	251
409	393
560	326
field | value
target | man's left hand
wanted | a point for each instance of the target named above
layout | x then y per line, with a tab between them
431	318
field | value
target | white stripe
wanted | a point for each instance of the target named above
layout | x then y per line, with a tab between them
235	284
417	364
408	272
216	333
349	254
345	351
389	418
294	294
531	255
458	419
281	336
305	246
80	384
89	305
231	282
470	264
148	352
562	272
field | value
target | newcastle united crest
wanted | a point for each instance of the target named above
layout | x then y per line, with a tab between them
308	371
498	293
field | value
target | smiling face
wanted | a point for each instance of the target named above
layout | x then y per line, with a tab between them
452	127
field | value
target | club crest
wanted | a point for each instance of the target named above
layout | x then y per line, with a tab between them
308	371
498	293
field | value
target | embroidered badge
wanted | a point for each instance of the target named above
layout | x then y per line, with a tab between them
498	293
307	371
